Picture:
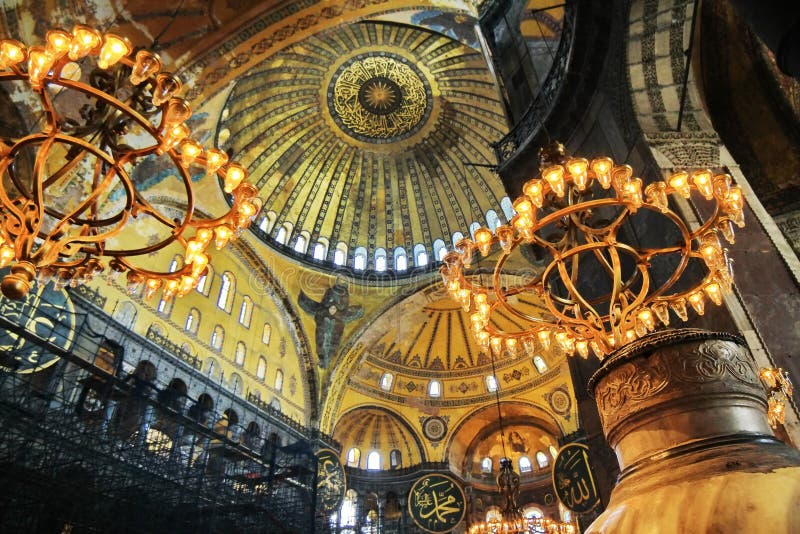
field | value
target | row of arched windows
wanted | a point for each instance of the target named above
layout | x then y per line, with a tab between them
524	462
381	258
374	462
212	369
435	386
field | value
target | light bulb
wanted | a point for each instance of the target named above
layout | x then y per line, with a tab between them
190	151
39	64
554	175
697	300
620	177
534	191
483	238
6	255
234	175
679	307
150	287
215	159
661	310
11	53
646	317
578	168
714	292
633	194
58	43
174	135
84	41
544	339
167	86
702	179
602	171
114	48
146	64
170	288
177	111
657	195
680	183
223	234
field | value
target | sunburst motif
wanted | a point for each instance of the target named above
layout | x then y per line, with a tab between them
380	95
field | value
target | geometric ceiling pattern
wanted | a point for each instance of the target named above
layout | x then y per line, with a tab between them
364	139
373	429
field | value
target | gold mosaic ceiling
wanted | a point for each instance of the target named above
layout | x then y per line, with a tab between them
365	136
373	429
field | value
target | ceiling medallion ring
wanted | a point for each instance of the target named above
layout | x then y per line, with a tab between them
379	97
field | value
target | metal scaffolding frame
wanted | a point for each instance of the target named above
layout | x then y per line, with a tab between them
107	438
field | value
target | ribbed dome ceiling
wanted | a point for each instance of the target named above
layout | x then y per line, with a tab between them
365	136
369	429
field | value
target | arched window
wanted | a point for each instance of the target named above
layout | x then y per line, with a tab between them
540	364
360	259
266	335
386	381
400	259
192	321
531	511
340	254
420	255
261	370
507	207
165	305
524	464
374	461
353	457
494	515
268	222
347	514
395	459
240	354
492	220
246	311
434	388
284	232
278	380
491	383
301	243
458	236
486	465
380	260
473	228
205	282
553	452
439	250
217	337
125	314
321	249
226	291
541	460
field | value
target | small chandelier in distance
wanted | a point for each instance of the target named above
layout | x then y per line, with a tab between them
574	214
132	111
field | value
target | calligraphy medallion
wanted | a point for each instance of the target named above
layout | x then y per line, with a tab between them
573	479
46	313
331	482
379	97
436	503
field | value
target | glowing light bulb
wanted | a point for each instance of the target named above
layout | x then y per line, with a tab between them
554	176
11	53
150	287
190	151
39	64
497	345
698	302
186	284
702	179
173	136
602	171
483	238
199	264
170	288
234	175
544	339
84	41
58	43
582	348
6	255
714	292
633	194
680	183
222	234
578	168
114	48
534	190
646	317
215	159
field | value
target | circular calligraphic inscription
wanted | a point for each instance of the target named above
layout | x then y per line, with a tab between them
436	503
573	479
43	312
560	401
379	97
331	482
434	428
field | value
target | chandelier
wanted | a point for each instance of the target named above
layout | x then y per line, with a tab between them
599	287
779	388
69	192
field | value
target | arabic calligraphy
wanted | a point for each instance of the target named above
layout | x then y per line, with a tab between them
46	313
378	97
436	503
330	481
573	479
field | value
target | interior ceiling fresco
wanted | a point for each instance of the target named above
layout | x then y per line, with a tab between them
366	135
361	123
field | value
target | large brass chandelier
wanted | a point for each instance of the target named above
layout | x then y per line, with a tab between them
598	287
96	122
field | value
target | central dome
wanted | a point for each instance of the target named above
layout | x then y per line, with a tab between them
379	98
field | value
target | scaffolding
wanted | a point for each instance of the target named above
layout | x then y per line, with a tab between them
108	438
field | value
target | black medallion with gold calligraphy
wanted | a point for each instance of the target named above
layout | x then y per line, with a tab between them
573	479
48	314
436	503
331	483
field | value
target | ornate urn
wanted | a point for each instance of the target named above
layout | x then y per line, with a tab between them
684	411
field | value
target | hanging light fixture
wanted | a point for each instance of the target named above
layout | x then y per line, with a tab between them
511	520
126	109
598	290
